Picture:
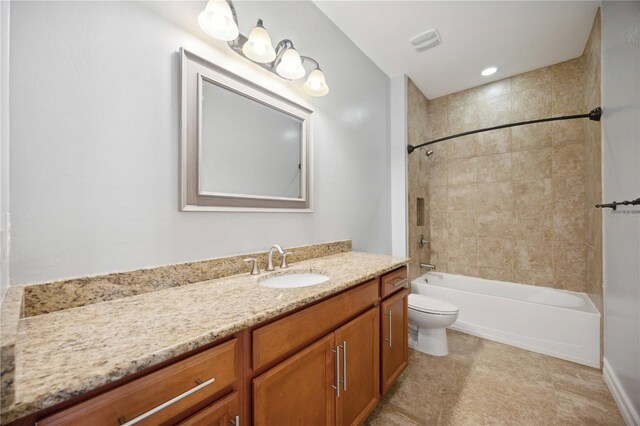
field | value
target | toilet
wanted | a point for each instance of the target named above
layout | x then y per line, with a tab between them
428	319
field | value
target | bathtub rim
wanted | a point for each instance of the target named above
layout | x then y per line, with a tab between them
592	308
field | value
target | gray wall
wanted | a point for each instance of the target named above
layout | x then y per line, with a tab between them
621	177
95	137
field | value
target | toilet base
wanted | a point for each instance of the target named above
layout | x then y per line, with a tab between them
432	341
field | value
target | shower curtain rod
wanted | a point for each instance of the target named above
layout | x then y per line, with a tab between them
593	115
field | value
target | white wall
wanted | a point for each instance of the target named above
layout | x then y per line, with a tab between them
95	138
398	158
621	179
4	147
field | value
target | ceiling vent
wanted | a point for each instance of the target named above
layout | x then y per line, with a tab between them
426	40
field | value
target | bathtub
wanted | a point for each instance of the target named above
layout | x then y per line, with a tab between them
559	323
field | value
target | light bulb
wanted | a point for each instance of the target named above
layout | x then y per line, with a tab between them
316	85
258	47
217	21
488	71
290	65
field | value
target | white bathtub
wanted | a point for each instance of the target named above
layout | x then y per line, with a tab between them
558	323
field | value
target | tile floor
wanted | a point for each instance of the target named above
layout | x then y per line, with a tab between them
482	382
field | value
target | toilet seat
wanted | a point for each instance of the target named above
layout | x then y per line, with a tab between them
431	305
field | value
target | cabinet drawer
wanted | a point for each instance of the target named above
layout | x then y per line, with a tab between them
159	396
296	330
220	413
393	281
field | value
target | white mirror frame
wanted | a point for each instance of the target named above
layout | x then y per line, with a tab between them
195	70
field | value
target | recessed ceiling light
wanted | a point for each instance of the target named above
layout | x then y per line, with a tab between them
488	71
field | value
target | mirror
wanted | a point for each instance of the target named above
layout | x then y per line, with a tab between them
243	148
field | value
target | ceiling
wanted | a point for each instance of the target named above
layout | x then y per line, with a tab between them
516	36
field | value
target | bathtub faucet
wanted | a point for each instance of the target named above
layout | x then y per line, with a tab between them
428	266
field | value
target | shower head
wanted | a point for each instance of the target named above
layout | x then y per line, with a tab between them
427	152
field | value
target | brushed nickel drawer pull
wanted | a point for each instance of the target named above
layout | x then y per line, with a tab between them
166	404
344	363
337	385
389	315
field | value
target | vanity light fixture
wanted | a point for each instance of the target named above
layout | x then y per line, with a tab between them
489	71
219	20
258	47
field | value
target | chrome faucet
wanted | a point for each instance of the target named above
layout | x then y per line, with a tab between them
284	255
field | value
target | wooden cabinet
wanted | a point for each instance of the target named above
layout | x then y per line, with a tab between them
358	343
334	381
224	412
394	342
325	364
298	391
160	396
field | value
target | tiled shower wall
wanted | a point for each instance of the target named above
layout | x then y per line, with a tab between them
593	167
417	123
509	204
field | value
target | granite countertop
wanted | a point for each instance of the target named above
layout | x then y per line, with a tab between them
66	353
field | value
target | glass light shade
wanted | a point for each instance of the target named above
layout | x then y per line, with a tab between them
217	21
258	47
290	65
316	85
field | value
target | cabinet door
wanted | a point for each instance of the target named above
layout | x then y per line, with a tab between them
221	413
358	344
299	390
395	350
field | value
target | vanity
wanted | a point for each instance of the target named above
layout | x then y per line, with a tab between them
322	354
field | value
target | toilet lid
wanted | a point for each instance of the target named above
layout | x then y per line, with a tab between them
429	304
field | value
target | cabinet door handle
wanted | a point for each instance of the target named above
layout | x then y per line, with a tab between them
337	385
235	421
344	364
389	315
168	403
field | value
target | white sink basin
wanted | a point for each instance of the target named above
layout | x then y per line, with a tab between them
296	280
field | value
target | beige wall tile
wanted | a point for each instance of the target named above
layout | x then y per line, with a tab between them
567	132
438	198
436	172
495	196
533	254
494	111
570	265
494	168
462	269
494	90
463	171
496	274
438	224
569	225
542	276
462	250
496	253
462	119
568	192
533	194
531	80
462	197
463	147
531	104
531	136
531	164
462	223
463	97
495	224
494	142
438	249
533	225
568	160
